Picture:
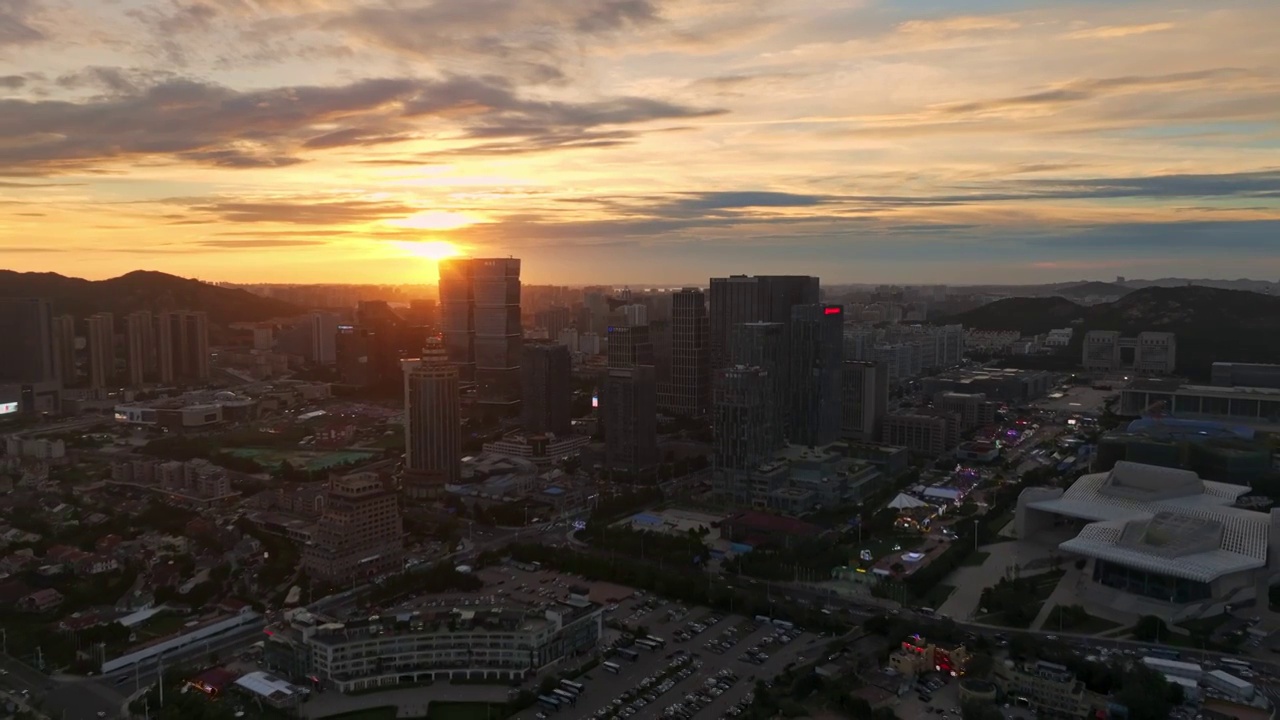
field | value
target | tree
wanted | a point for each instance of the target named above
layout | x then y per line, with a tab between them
1145	693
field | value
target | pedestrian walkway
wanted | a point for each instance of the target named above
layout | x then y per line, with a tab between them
409	703
1003	559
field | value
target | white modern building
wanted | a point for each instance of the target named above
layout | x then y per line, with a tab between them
1157	540
496	644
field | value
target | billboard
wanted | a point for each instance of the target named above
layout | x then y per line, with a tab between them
8	408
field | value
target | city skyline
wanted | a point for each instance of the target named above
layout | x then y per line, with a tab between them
615	141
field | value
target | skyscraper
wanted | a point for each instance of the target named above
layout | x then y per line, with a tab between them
324	338
64	348
433	424
140	347
746	430
688	391
29	371
744	299
360	535
546	385
815	356
764	345
630	413
629	346
27	353
183	342
480	317
100	337
864	400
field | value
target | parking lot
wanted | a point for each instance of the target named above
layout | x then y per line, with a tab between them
698	677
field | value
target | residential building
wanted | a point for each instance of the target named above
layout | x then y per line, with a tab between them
974	409
100	336
64	348
634	314
141	361
688	391
925	432
815	357
554	320
864	400
480	317
546	371
1049	688
360	534
742	299
433	424
484	644
183	341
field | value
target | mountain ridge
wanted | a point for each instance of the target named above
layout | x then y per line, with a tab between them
143	290
1211	324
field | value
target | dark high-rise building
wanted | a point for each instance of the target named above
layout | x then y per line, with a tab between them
744	418
140	347
100	337
815	357
352	349
29	371
688	391
629	346
423	311
744	299
546	382
64	347
27	355
183	342
864	401
764	345
480	317
630	411
433	424
553	320
322	346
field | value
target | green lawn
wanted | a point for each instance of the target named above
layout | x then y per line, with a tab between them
937	595
1204	626
976	559
1070	622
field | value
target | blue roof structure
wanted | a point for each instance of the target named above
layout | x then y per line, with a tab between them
646	519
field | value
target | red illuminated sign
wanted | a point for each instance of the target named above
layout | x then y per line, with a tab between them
831	311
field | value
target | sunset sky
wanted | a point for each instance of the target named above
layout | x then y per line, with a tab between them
641	140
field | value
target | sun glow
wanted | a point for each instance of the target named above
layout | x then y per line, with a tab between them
435	220
434	250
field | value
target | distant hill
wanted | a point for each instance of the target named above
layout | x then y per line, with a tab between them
1094	288
143	290
1028	315
1212	324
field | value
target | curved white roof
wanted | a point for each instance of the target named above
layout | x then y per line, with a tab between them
1238	537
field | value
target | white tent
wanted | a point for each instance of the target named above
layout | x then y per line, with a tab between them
903	502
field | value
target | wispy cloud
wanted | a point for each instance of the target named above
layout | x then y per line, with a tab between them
1118	31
